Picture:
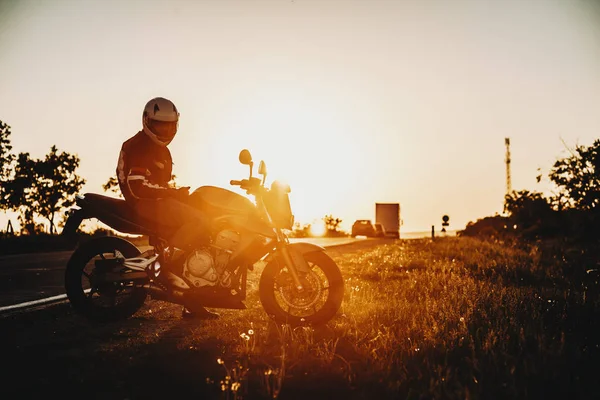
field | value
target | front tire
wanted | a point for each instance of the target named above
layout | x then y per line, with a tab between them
320	301
109	301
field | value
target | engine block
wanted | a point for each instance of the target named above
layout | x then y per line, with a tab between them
199	269
225	244
207	268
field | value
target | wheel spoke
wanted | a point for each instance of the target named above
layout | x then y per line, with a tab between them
86	274
102	256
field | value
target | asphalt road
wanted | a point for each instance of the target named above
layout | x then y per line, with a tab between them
36	276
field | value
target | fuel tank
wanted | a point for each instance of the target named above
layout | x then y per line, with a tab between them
218	201
230	209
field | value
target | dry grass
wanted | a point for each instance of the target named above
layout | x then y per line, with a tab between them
453	318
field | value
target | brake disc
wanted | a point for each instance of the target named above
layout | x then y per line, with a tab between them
305	299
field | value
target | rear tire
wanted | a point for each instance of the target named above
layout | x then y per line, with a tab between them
81	267
324	285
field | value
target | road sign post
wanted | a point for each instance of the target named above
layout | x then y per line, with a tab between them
445	223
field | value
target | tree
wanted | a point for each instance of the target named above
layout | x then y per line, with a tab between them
56	184
6	157
43	187
332	225
578	178
112	185
6	161
18	191
527	209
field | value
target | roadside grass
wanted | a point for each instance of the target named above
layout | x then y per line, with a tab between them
450	318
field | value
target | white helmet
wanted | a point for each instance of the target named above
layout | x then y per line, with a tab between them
160	120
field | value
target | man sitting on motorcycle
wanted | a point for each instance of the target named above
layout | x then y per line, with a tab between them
144	171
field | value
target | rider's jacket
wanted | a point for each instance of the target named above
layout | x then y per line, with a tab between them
144	169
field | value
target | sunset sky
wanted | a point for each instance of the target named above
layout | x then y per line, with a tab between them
350	102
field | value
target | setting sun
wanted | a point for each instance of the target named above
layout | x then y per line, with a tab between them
318	228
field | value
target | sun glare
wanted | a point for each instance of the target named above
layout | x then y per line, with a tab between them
298	137
318	228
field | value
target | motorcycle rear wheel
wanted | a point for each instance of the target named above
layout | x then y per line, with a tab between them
107	301
316	305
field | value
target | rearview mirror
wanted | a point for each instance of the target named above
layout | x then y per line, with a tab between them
245	157
262	168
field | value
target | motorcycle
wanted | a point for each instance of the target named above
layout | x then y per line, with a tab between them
109	278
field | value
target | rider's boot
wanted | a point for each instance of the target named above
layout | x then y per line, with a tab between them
200	313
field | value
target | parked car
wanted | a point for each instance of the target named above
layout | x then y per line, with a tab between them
363	227
379	230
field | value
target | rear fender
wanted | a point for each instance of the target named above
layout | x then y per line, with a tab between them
74	219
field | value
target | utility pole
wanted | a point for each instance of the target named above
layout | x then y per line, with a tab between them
508	183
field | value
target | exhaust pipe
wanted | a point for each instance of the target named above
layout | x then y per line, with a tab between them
158	293
178	297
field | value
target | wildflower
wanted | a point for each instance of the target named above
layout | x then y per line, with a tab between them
220	362
250	332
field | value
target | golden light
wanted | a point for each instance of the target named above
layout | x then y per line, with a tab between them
318	228
296	136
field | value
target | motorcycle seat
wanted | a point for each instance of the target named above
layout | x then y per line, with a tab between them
117	214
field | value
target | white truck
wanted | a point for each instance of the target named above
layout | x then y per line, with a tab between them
388	214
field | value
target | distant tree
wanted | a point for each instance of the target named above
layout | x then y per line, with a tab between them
6	157
527	209
18	193
112	185
43	187
6	161
332	225
489	227
300	230
578	178
57	184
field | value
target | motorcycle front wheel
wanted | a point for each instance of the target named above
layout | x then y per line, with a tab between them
96	299
316	304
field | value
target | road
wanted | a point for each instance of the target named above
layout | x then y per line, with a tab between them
37	276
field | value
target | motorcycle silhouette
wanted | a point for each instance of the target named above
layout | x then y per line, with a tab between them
109	278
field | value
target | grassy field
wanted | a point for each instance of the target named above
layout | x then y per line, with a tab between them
450	318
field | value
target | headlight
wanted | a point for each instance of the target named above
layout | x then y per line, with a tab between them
280	186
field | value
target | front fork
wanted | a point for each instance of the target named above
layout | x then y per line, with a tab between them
287	259
293	258
283	249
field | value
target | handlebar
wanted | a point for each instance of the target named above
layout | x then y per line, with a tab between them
249	185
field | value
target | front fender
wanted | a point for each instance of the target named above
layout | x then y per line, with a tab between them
297	251
303	247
